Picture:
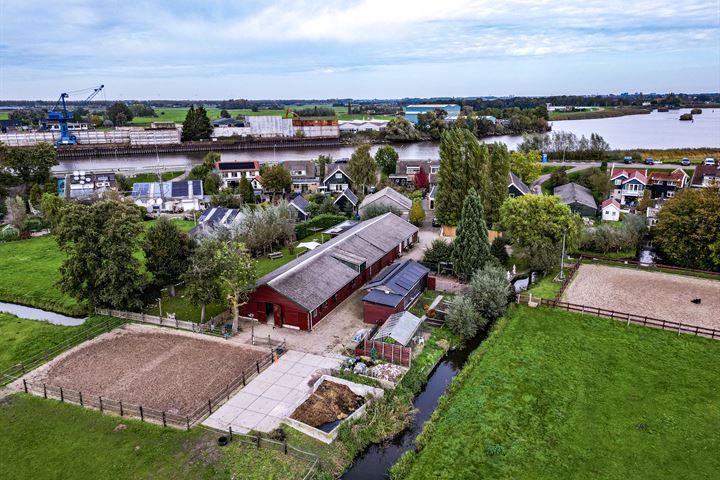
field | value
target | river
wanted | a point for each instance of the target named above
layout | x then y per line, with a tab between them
42	315
655	130
377	459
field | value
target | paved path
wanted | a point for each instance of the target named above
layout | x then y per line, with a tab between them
270	396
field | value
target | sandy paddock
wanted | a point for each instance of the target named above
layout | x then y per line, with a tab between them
665	296
154	367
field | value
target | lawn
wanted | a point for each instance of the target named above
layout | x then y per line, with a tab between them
152	177
22	339
266	265
47	439
558	395
29	272
547	287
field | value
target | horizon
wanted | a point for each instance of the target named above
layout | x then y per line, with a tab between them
364	49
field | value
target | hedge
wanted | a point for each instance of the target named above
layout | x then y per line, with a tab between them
324	221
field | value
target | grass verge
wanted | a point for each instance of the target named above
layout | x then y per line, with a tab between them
554	394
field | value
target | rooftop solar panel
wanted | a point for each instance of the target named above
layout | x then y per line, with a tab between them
179	189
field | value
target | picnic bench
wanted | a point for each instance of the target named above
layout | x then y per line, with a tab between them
275	255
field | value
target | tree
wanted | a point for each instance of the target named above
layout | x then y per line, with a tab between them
224	113
52	207
211	184
432	123
462	318
598	146
119	113
401	130
276	179
375	210
167	249
321	162
498	250
226	199
543	256
386	158
236	275
421	179
463	164
29	164
246	191
99	241
417	213
688	229
490	291
362	168
526	166
440	251
16	212
202	276
538	219
34	196
471	249
197	125
122	182
496	190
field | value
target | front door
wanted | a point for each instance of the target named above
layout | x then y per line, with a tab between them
277	314
269	312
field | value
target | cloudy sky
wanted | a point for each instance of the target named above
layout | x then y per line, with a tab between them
359	49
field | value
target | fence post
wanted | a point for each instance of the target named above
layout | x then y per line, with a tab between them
101	405
243	374
628	322
187	422
285	445
209	406
46	356
142	417
257	364
121	409
227	391
44	390
231	434
257	440
177	323
81	400
25	385
679	327
22	366
62	396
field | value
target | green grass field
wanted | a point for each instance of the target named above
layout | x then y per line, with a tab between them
4	115
46	439
547	287
29	272
152	177
557	395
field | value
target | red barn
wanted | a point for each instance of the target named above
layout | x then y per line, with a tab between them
302	292
393	290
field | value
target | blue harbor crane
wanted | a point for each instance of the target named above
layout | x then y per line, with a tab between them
63	116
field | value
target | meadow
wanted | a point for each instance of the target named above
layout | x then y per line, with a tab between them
558	395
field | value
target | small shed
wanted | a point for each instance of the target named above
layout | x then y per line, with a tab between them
346	200
401	327
611	210
393	290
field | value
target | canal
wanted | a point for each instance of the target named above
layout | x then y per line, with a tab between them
376	460
42	315
654	130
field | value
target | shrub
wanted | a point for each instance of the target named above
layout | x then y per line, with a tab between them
9	233
323	221
417	213
498	250
490	291
543	256
375	210
439	251
606	238
462	317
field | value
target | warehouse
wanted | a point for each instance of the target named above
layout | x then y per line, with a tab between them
302	292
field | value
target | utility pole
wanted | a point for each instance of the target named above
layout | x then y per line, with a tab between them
561	275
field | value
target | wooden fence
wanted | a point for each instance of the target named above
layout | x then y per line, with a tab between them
19	369
571	271
208	328
650	266
392	352
626	317
145	414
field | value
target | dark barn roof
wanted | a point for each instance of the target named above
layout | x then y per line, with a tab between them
314	277
394	282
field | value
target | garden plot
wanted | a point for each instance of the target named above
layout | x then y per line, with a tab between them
165	370
664	296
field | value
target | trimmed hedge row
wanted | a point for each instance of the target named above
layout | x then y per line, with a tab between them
324	221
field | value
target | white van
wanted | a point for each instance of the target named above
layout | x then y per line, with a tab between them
709	161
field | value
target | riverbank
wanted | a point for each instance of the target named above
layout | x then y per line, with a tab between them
553	394
598	112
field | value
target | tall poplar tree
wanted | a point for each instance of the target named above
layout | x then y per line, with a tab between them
471	248
498	173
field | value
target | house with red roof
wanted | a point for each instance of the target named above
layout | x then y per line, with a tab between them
610	209
705	175
628	185
666	184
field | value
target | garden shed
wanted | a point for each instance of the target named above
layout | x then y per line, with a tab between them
401	327
393	290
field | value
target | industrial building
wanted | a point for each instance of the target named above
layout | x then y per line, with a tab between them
412	111
302	292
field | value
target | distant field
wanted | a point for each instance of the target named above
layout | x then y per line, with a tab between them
559	395
4	115
597	112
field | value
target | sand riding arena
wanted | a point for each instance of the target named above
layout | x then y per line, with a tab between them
169	371
665	296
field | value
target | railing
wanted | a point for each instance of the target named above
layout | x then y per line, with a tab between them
629	318
145	414
571	271
16	371
208	328
658	266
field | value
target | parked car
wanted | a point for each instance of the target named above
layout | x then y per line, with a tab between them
627	159
709	161
649	161
435	222
685	162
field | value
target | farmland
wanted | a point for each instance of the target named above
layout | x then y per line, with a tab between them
553	394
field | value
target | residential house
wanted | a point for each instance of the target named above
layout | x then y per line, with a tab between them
336	179
387	197
302	292
213	217
628	185
516	187
405	171
652	215
304	176
232	171
87	184
346	201
412	111
181	196
666	184
705	175
610	210
578	198
393	290
300	204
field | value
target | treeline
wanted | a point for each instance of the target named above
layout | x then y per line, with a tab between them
315	111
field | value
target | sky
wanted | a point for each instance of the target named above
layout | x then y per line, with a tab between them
319	49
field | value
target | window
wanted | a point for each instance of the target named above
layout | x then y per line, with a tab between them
511	195
618	182
434	169
413	169
670	194
338	175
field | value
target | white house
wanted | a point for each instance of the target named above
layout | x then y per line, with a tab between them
611	210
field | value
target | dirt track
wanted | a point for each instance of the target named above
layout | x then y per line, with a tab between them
664	296
152	367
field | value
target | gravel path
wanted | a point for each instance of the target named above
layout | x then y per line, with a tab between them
664	296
